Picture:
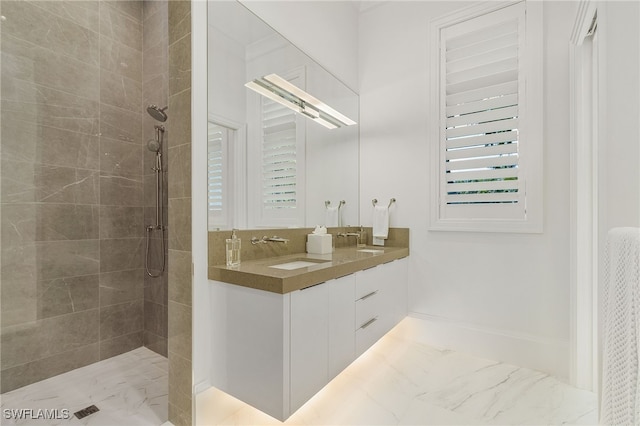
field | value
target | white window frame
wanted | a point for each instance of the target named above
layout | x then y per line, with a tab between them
235	179
530	128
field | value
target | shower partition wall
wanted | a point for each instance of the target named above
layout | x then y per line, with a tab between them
73	184
155	84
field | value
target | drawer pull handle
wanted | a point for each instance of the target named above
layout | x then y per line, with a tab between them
368	295
368	323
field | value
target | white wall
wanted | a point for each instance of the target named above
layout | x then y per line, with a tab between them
621	138
619	135
504	296
226	77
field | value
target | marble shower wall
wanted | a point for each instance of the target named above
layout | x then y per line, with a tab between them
155	88
180	277
72	186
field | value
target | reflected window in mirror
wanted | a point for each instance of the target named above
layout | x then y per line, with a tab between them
218	175
278	143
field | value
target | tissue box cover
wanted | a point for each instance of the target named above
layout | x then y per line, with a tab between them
319	244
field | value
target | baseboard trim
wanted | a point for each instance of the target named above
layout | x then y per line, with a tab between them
201	386
548	355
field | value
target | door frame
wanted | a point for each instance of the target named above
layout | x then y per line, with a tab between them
586	123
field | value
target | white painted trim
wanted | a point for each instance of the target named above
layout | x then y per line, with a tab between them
240	180
600	159
201	386
469	12
224	121
521	349
583	206
533	130
584	16
238	152
200	300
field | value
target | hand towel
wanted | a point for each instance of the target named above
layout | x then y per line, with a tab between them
380	224
620	390
331	217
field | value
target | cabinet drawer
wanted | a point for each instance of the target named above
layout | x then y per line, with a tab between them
368	334
366	282
367	307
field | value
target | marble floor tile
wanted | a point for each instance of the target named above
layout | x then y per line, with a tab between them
129	389
402	382
397	382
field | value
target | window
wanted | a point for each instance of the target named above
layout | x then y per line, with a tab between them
487	120
279	165
217	175
278	141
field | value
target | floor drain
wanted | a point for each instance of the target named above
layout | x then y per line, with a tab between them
86	411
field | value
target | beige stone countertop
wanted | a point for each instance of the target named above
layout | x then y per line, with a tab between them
260	275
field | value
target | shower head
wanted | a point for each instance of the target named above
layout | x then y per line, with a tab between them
153	145
157	113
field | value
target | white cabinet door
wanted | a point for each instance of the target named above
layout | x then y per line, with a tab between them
341	323
400	286
252	342
309	343
393	276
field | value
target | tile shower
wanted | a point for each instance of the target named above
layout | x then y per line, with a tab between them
77	187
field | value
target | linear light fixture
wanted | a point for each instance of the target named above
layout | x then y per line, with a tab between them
280	90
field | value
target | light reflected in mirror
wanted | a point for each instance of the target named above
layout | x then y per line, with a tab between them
268	165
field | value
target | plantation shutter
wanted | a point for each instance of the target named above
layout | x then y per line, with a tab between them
217	141
279	158
482	91
276	159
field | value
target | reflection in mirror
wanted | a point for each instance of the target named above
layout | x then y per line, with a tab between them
278	157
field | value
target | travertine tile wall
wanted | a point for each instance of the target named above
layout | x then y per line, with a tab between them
155	87
72	212
180	278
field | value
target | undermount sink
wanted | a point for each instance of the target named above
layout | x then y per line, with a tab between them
297	264
373	251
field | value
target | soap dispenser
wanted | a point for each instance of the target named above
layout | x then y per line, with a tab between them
362	238
233	249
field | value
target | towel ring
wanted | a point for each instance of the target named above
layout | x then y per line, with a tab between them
375	201
327	203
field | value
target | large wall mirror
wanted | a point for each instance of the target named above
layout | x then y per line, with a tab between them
283	135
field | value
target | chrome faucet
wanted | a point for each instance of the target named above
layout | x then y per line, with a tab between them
276	239
351	234
265	240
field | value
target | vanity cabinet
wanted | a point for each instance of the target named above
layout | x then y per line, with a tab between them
275	351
